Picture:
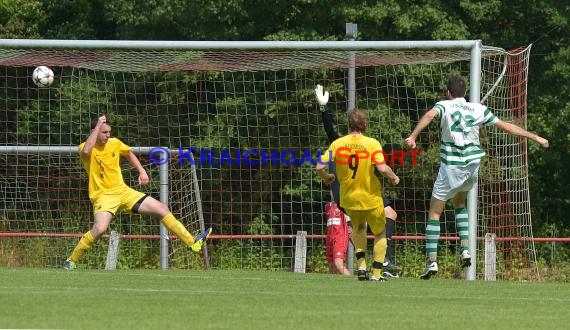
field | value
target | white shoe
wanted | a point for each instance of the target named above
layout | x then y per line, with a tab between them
465	259
430	270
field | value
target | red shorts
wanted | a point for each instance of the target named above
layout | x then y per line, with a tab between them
337	233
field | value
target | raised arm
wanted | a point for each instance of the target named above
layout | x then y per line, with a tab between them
323	99
328	125
92	139
423	123
519	131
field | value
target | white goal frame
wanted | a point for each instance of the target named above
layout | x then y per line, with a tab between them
475	47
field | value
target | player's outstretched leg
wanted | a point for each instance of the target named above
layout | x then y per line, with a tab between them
200	239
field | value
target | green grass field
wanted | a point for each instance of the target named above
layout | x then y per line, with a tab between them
174	299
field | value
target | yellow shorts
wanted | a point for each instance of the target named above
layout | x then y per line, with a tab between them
123	199
375	218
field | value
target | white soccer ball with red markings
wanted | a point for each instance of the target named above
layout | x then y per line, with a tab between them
42	76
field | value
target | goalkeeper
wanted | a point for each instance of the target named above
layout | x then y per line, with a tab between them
100	155
339	229
389	269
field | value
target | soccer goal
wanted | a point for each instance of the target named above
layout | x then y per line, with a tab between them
242	124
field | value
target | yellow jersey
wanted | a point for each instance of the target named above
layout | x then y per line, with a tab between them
355	157
103	166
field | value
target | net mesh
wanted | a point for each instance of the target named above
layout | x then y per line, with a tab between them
218	105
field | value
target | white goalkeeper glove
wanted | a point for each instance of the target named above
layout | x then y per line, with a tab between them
322	97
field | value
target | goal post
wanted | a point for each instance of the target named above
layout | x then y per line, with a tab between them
472	198
219	101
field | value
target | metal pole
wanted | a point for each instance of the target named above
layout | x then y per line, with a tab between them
198	198
163	177
351	32
235	45
474	92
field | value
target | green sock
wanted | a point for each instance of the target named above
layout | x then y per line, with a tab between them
432	236
462	223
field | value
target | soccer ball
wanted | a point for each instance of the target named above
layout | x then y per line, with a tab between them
42	76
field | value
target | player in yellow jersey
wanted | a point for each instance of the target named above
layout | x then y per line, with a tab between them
389	268
356	156
100	155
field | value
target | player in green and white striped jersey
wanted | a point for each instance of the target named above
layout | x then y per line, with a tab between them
461	155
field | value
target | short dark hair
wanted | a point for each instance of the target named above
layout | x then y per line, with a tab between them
357	120
456	86
95	120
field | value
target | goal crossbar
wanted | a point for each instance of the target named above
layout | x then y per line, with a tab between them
237	45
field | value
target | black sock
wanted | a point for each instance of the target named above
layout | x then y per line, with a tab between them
390	223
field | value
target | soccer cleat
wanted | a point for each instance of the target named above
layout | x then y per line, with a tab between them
362	275
430	270
387	273
378	279
69	264
391	270
465	259
200	239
